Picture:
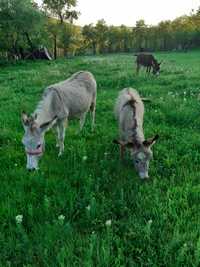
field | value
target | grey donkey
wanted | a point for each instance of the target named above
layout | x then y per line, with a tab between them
129	111
61	102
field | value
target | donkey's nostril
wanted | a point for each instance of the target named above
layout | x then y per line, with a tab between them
31	170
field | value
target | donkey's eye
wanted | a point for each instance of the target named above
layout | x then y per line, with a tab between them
137	161
38	146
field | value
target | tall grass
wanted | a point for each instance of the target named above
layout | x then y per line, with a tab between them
110	217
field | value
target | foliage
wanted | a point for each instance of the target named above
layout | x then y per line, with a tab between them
179	34
25	27
62	9
21	26
70	38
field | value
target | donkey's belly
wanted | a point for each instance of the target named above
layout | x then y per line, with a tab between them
79	108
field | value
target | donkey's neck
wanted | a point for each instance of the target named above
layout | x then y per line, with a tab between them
136	133
43	110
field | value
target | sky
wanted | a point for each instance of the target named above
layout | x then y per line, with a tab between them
127	12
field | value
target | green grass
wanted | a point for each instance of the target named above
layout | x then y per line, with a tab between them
153	223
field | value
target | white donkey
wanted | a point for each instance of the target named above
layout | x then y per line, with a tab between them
63	101
129	111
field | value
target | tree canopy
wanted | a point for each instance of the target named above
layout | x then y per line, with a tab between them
24	27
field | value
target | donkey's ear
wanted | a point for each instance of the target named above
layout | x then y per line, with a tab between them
34	116
117	142
121	143
25	118
151	141
45	126
126	144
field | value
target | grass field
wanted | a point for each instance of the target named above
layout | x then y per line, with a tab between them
110	217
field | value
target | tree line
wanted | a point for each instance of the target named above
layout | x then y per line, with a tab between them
25	27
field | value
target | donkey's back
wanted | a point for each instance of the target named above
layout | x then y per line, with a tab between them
129	111
78	93
145	59
124	105
82	81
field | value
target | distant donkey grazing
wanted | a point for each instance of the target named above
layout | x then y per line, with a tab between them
63	101
129	111
148	61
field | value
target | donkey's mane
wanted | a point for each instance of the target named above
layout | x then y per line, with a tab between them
48	91
132	103
41	108
75	75
41	103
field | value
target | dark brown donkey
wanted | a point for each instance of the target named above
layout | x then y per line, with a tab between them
148	61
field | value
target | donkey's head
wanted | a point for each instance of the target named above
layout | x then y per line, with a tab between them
156	67
33	139
141	154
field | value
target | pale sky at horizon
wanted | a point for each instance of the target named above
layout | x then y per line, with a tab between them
127	12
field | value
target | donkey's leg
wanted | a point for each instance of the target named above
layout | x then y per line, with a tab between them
61	135
93	110
149	69
122	151
82	120
138	68
57	134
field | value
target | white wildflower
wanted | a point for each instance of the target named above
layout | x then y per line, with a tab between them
150	221
84	158
88	207
19	219
61	218
108	223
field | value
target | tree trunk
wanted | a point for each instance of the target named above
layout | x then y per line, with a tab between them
29	41
61	18
55	47
94	48
21	51
65	51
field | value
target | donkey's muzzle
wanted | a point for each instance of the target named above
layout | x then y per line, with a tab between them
32	162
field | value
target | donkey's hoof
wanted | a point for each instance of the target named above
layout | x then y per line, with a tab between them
60	154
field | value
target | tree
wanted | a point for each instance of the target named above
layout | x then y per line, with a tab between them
21	26
165	34
61	9
114	37
126	38
139	32
68	38
90	37
54	30
101	35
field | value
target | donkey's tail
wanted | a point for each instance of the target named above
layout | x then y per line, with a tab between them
144	99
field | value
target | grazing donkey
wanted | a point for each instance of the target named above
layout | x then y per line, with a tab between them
129	111
63	101
148	61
